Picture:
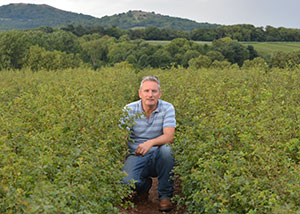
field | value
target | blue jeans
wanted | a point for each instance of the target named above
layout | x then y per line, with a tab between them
158	163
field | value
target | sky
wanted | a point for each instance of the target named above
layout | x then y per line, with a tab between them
260	13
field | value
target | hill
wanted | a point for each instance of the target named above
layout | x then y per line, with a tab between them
25	16
141	19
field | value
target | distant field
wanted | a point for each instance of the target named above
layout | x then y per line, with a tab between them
262	47
269	47
161	42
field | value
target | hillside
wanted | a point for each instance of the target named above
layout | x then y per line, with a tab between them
141	19
25	16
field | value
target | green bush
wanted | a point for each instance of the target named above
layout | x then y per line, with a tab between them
236	144
61	145
40	59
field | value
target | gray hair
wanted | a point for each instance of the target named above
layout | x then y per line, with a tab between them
150	78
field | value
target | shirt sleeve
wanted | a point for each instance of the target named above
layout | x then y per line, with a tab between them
169	117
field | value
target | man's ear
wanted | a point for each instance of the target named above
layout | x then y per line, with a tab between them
160	93
140	93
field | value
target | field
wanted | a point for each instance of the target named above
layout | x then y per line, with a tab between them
237	144
269	47
264	48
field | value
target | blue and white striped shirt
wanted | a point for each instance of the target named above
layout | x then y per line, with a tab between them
148	128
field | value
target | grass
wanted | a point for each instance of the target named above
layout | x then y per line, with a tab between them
270	47
263	48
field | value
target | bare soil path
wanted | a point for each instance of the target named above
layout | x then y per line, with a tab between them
151	205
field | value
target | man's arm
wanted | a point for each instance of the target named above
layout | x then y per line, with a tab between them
166	137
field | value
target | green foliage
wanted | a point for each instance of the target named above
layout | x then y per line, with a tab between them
220	64
188	55
40	59
13	47
236	144
285	60
257	64
140	19
95	51
200	62
25	16
232	50
57	40
59	49
61	144
215	55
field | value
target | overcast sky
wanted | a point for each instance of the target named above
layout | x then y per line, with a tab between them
277	13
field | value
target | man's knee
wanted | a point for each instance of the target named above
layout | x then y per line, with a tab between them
165	152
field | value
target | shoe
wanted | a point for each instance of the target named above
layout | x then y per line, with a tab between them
165	205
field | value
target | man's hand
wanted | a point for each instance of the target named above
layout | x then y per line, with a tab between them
166	137
143	148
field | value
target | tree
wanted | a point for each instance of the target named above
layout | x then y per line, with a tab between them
58	40
232	50
279	59
188	55
13	47
257	63
200	62
119	51
272	34
177	48
95	52
40	59
215	55
153	33
252	52
160	59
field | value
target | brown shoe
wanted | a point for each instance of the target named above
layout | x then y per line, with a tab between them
165	205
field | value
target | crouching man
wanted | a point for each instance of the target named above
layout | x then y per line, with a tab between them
149	151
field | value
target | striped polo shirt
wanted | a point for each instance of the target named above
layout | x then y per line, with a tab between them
148	128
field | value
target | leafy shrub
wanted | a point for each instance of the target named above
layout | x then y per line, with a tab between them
236	144
257	64
61	145
40	59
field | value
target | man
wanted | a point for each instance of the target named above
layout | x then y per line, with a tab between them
149	152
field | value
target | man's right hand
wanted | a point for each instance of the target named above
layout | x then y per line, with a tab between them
143	148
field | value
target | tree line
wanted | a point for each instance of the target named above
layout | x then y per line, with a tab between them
53	49
241	32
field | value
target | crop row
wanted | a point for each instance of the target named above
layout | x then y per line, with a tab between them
236	144
61	147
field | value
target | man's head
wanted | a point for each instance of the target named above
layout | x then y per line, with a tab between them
150	91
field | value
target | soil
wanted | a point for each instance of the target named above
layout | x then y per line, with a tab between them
151	205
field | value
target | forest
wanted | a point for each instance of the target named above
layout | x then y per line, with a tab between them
240	32
48	48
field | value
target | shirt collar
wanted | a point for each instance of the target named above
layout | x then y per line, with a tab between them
158	108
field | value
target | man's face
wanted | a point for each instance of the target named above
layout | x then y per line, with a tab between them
149	94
